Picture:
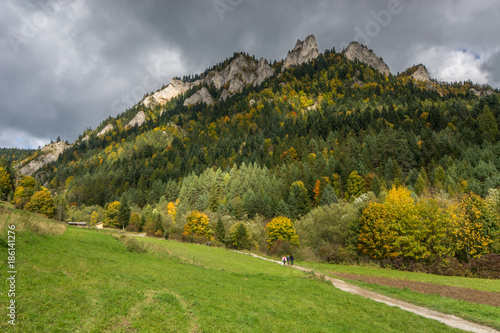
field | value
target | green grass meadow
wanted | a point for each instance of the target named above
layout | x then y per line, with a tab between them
80	280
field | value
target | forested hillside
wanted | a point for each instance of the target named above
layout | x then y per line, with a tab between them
319	143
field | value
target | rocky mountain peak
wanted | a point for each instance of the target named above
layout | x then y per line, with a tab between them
421	74
303	51
356	51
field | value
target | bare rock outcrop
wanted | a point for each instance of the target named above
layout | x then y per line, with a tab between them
421	74
48	154
174	89
225	94
201	95
263	72
356	51
303	51
234	77
138	120
240	72
105	130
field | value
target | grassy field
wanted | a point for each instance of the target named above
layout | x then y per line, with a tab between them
81	280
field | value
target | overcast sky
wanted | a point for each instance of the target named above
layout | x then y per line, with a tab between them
66	65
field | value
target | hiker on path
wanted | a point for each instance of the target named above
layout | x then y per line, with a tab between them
291	259
284	260
288	259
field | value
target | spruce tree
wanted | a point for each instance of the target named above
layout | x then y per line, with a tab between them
329	196
220	231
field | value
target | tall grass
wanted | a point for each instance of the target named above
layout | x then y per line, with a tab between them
25	221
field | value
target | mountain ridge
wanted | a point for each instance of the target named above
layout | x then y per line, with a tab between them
243	70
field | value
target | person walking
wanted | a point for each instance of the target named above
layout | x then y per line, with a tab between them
284	260
291	259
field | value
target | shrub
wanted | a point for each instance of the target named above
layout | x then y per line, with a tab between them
281	247
487	266
133	245
132	228
335	254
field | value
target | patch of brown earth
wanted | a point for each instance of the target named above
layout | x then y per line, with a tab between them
465	294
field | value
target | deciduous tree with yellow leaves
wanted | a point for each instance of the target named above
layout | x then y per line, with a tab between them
281	228
198	224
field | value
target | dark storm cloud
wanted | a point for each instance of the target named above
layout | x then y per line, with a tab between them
66	65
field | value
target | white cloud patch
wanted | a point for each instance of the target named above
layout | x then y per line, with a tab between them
454	65
11	138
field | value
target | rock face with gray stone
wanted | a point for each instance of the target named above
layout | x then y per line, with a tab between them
105	130
304	51
241	71
421	74
263	72
48	154
356	51
174	89
201	95
138	120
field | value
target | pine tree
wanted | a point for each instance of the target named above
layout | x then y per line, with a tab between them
487	125
329	196
239	237
123	216
282	209
220	231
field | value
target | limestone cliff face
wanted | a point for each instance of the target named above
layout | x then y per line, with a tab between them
263	72
138	120
303	51
48	154
105	130
421	74
201	95
356	51
174	89
240	72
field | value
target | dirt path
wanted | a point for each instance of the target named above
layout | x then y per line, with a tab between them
449	320
469	295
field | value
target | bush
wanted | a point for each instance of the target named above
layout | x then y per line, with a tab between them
335	254
132	228
133	245
281	247
487	266
305	253
191	238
